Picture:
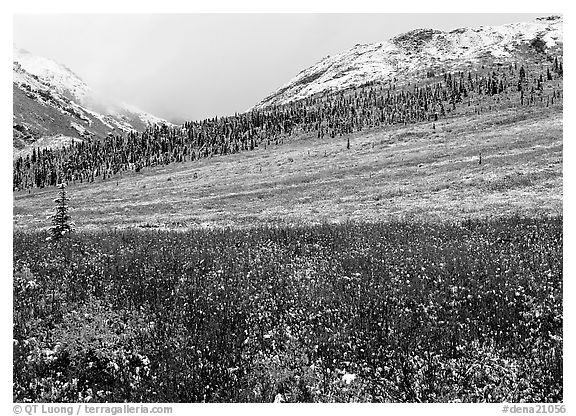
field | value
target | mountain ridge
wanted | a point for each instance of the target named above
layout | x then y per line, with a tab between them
419	50
52	105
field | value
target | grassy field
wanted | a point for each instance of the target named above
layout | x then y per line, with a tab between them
390	173
398	270
395	312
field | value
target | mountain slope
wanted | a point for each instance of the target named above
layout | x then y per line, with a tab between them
411	55
477	143
53	105
393	173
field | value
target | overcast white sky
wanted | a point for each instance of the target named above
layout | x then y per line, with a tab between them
193	66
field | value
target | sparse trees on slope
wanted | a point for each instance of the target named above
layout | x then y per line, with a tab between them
324	115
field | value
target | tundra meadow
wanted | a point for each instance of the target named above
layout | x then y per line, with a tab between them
385	312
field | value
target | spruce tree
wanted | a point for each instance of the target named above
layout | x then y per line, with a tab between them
522	74
61	224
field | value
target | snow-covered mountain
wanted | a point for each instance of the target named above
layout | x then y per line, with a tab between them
52	106
412	54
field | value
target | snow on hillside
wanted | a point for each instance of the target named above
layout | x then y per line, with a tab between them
145	117
56	85
58	76
415	51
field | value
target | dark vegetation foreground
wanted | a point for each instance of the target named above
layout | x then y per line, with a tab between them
352	312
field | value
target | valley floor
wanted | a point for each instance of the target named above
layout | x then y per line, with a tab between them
446	285
389	173
395	312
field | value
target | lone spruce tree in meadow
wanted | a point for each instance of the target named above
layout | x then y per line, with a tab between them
61	224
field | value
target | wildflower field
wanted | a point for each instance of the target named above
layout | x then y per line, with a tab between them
399	311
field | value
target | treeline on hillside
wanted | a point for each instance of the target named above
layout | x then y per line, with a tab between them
332	114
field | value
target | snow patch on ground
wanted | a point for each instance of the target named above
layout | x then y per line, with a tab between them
47	142
80	129
348	378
